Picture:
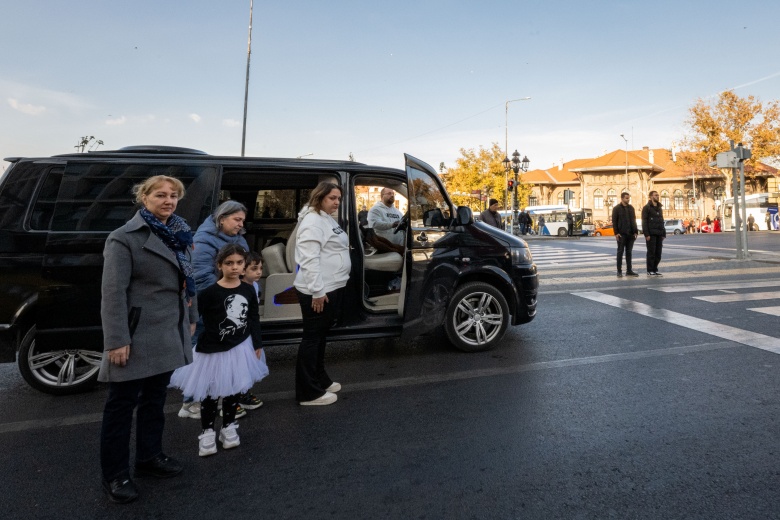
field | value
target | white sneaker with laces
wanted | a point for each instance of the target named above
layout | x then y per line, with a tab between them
326	398
228	436
190	410
207	443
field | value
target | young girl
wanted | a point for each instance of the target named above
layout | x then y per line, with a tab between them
227	360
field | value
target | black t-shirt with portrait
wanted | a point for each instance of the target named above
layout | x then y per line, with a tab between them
229	317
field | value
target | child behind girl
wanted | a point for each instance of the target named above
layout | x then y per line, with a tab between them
227	359
252	275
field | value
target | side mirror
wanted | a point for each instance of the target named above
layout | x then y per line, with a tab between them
463	216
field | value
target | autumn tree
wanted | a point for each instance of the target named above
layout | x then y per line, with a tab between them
710	126
483	170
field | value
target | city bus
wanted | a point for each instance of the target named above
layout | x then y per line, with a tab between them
555	220
757	205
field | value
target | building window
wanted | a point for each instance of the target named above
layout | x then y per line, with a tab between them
560	199
678	199
690	199
533	201
598	200
665	199
719	193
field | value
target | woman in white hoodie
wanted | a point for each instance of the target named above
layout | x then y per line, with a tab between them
322	254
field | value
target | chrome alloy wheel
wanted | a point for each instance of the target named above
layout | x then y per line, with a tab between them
478	318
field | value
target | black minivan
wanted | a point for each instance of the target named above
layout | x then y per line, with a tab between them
464	277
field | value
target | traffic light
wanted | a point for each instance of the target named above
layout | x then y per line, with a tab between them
510	185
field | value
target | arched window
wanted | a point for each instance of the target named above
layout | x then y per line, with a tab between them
665	199
678	199
533	201
598	200
560	198
719	193
611	198
689	198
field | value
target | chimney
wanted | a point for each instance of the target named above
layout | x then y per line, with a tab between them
651	156
674	155
646	148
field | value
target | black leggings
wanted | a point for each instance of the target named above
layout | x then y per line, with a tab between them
208	411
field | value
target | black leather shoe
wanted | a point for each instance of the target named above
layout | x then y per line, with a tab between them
631	273
161	466
121	490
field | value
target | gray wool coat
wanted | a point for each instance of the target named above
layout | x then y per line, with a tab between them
141	283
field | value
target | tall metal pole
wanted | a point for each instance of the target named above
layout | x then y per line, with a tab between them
743	205
506	146
738	223
626	140
246	86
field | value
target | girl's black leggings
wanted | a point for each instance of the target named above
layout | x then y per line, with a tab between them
208	411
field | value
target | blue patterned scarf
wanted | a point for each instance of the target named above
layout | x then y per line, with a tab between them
177	236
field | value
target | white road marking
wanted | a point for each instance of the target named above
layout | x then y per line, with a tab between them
745	337
717	286
772	311
739	297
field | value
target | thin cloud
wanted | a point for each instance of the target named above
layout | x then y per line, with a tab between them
26	108
116	121
195	117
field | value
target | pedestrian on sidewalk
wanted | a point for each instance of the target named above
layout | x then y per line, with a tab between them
654	232
491	216
570	222
624	224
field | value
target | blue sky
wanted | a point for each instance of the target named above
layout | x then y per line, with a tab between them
375	79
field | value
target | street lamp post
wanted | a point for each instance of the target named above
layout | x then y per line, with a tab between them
516	165
506	140
626	140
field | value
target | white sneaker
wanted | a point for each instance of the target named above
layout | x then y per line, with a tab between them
327	398
190	410
335	387
207	443
228	436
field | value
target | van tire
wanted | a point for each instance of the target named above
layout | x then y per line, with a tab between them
61	372
562	232
465	320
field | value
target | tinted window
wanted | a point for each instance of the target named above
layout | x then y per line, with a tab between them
427	205
17	191
98	196
43	210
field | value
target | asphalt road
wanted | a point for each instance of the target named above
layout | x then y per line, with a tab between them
624	398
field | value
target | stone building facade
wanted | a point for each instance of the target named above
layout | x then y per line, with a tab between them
597	183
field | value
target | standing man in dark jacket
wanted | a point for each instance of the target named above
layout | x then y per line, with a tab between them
492	216
624	224
654	231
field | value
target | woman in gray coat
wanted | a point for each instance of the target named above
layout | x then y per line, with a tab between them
148	312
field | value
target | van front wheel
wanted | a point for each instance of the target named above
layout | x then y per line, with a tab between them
59	372
477	317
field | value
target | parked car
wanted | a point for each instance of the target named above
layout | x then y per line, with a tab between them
675	226
464	278
605	230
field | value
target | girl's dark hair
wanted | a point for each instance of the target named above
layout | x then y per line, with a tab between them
320	192
226	251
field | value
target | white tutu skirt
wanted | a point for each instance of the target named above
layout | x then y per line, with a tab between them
222	373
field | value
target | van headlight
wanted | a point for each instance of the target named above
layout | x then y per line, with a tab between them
521	255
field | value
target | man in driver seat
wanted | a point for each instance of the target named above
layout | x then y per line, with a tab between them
384	218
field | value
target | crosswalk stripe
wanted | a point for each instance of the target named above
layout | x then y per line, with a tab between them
738	285
745	337
739	297
772	311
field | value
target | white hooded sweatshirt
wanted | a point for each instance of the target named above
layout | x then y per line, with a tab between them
321	252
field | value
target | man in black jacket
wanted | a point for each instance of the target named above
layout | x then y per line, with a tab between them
654	231
624	224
